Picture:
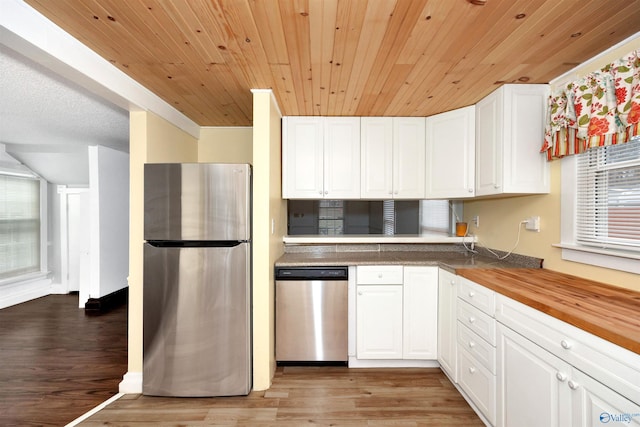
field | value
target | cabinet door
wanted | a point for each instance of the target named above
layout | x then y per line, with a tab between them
409	157
447	324
532	384
377	157
342	158
525	169
595	404
489	113
420	311
303	151
450	170
379	322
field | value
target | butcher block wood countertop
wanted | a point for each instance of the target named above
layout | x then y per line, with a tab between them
609	312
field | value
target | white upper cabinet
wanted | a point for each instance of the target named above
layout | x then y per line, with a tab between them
393	157
321	157
509	133
450	159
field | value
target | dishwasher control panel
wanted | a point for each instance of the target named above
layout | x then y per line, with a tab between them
312	273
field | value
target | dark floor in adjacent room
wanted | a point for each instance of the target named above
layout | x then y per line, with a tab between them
56	362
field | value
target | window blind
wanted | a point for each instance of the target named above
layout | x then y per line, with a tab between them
434	215
388	217
19	225
608	197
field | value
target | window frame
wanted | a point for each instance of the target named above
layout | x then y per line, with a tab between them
43	271
573	251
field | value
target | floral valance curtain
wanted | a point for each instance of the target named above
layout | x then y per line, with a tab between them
603	108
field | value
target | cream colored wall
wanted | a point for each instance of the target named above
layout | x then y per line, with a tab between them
152	140
226	145
268	207
499	218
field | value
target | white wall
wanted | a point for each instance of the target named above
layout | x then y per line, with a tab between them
109	220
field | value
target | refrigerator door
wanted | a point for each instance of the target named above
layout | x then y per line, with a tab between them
197	321
197	201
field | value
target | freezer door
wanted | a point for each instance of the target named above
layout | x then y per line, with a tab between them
196	321
197	201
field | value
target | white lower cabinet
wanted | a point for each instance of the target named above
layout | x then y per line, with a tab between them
379	322
396	313
532	389
520	367
478	382
420	313
537	388
476	339
594	404
447	323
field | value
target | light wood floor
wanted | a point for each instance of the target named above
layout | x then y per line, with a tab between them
299	396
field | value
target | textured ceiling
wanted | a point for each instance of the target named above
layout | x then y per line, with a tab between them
47	122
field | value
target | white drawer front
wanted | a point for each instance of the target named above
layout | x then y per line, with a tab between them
479	383
480	297
379	275
477	321
481	350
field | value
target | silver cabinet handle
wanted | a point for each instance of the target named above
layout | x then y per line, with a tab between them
561	376
573	385
471	294
471	344
472	319
472	370
566	344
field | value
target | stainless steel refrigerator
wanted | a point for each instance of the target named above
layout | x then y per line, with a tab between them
197	280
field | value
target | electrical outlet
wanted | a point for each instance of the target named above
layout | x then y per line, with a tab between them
533	223
476	221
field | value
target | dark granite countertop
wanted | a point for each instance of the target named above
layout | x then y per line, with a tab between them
449	258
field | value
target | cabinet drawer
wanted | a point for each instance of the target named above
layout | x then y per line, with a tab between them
480	297
379	275
481	350
479	383
477	321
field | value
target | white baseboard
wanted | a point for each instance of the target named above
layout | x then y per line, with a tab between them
392	363
58	289
23	291
131	383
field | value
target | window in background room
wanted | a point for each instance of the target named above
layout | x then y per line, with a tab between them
19	225
376	217
435	216
331	217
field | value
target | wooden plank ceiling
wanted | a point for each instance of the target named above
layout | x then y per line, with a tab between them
340	57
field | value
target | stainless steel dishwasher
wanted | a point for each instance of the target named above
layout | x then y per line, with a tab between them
311	314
